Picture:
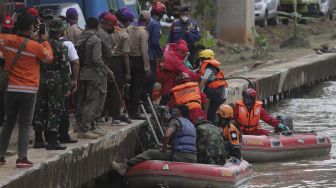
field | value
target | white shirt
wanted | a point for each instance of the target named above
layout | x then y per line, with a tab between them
72	53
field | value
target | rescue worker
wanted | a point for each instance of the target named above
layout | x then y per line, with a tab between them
7	26
92	66
20	95
188	93
73	32
107	23
182	134
119	64
248	112
213	83
187	29
55	84
210	143
231	132
140	66
171	67
155	53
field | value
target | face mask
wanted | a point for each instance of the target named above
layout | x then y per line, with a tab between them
185	18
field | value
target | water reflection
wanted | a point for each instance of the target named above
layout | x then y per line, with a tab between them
317	111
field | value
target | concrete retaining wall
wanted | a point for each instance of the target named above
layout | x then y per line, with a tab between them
77	165
278	79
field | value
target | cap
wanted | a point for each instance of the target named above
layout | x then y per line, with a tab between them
101	15
7	22
33	11
111	19
185	9
125	14
57	25
71	13
145	15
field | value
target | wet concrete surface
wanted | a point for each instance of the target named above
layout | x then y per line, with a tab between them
316	111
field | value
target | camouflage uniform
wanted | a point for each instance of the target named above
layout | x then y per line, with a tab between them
55	81
210	144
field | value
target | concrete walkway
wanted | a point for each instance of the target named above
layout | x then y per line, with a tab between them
79	163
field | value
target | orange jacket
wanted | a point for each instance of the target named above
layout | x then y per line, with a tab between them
248	121
232	134
25	76
188	94
219	77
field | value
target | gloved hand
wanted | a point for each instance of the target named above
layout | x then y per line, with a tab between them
284	127
232	160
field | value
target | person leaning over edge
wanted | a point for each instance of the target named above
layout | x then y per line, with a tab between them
20	95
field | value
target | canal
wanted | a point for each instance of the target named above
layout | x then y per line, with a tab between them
315	111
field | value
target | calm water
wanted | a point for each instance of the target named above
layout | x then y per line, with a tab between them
315	112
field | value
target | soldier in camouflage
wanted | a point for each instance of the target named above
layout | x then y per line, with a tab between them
55	84
210	143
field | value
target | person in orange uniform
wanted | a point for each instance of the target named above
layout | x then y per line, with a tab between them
231	131
23	84
213	83
248	112
188	93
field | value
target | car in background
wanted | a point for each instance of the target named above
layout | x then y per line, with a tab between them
265	12
310	8
60	9
327	8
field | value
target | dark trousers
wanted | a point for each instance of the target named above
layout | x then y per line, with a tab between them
158	155
2	108
137	83
115	89
65	121
150	81
19	107
216	97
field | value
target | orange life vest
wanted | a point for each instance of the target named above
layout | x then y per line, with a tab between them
188	94
219	77
248	121
232	133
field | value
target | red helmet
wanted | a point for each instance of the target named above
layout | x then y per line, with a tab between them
158	8
250	93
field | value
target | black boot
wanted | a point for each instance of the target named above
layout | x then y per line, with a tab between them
53	143
39	143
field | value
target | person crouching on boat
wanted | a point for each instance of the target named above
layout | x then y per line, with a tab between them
181	133
210	143
248	112
231	132
188	93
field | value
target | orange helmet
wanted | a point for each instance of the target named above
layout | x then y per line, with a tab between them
225	111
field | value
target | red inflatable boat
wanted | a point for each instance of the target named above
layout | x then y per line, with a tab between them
283	147
186	175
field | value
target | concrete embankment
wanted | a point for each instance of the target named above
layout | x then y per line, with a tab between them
89	159
286	79
80	163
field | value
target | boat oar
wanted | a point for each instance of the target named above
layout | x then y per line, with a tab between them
154	113
150	124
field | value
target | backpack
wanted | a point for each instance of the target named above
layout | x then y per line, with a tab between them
81	50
